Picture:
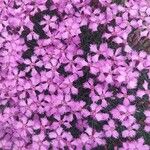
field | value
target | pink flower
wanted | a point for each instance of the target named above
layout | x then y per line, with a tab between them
115	31
39	142
96	112
139	144
147	121
52	65
102	50
24	127
66	121
81	124
93	64
78	109
128	145
15	77
38	5
54	101
19	144
103	93
59	138
140	93
5	144
49	23
110	129
91	86
124	113
32	35
31	64
68	28
27	108
95	18
125	96
77	143
67	85
71	64
127	75
42	104
92	138
130	131
140	59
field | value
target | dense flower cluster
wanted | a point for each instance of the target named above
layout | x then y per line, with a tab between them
70	77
